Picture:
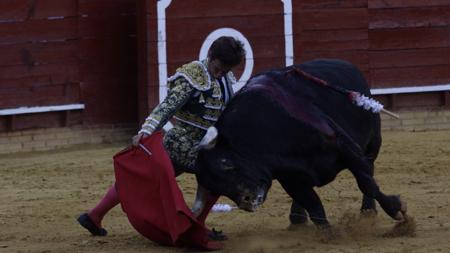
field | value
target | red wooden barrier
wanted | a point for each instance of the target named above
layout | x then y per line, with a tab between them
104	53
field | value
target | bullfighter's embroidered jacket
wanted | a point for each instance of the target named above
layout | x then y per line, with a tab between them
195	100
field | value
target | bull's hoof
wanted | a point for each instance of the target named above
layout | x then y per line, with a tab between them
394	207
215	235
401	215
328	233
368	213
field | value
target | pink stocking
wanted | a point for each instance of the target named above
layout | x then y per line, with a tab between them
110	200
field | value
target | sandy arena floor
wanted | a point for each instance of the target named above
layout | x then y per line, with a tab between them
42	193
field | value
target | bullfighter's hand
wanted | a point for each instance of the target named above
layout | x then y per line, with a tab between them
135	140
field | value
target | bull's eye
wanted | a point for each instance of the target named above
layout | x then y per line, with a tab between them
226	164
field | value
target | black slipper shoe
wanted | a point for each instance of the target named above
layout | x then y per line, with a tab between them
215	235
86	222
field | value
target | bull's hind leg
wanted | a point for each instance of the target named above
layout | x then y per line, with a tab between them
392	205
362	169
368	204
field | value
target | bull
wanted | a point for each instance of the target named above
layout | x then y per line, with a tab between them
284	125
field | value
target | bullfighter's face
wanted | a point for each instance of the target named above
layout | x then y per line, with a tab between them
223	172
217	69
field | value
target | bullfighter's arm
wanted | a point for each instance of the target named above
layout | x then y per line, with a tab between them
179	94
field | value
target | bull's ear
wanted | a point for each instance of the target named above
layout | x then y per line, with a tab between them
209	140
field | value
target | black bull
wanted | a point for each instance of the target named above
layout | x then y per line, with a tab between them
282	125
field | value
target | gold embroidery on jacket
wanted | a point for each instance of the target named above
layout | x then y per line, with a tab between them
191	85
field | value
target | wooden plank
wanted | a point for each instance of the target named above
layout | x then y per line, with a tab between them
409	57
146	57
107	7
430	99
108	56
93	83
14	10
108	60
5	124
263	32
70	71
41	120
117	103
31	54
92	48
410	76
260	64
41	9
19	10
27	85
66	93
11	123
409	38
410	17
331	19
107	26
263	64
382	4
152	88
393	101
201	27
328	4
38	30
333	40
220	9
268	46
359	58
149	7
28	82
335	45
74	118
445	96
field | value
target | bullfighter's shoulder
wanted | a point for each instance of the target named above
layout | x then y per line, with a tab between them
195	73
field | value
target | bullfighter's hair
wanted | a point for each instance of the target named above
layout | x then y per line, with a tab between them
228	50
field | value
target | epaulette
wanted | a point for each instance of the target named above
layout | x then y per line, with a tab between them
195	73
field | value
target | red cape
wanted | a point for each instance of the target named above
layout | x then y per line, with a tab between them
152	200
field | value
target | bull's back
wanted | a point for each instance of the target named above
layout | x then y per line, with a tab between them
280	102
360	124
338	73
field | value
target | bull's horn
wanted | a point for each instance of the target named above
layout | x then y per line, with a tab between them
209	140
200	201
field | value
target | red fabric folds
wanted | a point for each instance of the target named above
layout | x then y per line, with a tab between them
152	200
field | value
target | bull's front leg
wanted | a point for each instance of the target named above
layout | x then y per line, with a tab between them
298	214
306	197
